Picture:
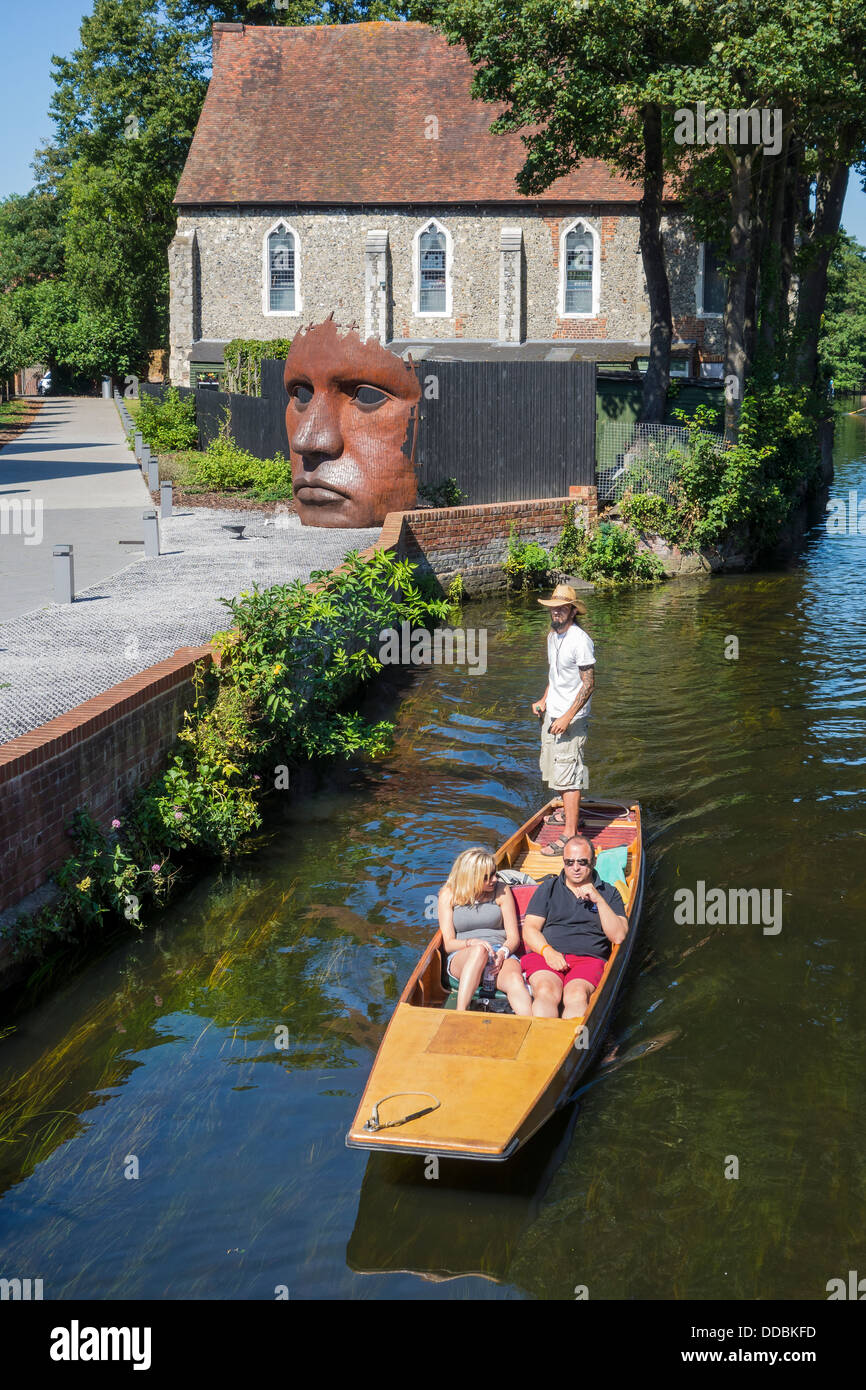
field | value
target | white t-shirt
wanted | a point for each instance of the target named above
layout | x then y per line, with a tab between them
565	655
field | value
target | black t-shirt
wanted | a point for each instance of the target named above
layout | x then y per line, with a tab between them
572	925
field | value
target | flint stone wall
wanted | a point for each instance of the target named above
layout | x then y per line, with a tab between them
217	278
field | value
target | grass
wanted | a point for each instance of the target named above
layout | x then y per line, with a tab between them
13	411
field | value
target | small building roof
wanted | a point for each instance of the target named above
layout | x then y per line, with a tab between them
358	114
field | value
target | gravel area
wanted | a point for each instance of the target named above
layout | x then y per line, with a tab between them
53	659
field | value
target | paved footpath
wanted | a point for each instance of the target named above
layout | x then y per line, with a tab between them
74	460
55	656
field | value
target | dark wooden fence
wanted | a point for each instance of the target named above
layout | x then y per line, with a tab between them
505	430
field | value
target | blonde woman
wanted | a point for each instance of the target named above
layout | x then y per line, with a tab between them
478	920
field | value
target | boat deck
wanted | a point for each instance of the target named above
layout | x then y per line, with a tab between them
605	832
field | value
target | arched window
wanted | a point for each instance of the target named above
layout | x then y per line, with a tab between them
281	271
433	269
580	272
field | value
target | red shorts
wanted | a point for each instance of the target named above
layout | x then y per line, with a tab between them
589	968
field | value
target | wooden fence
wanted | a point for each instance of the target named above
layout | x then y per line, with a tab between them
504	430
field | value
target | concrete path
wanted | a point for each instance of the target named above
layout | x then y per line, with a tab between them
68	478
61	655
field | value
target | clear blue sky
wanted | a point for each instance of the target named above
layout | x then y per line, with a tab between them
33	30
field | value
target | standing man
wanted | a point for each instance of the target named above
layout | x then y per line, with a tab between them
565	707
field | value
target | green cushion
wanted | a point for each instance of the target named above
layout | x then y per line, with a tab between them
610	863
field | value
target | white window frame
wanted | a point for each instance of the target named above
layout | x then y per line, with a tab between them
280	225
580	222
416	272
703	313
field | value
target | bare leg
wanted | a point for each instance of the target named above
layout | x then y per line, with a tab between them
510	980
571	806
468	968
547	989
575	998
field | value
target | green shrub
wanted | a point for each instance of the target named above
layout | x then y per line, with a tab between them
169	424
568	551
225	467
610	555
243	359
754	485
526	564
445	493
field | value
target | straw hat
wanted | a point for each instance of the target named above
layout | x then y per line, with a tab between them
563	593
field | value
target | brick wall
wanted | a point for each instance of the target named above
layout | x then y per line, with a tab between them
94	756
473	541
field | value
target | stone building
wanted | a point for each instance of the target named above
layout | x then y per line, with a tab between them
347	169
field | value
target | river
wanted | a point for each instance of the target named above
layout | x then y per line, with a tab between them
158	1144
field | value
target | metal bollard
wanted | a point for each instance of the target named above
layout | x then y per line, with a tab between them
144	457
165	498
153	474
151	534
64	577
138	443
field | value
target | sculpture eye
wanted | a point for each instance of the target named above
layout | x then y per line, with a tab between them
301	393
369	396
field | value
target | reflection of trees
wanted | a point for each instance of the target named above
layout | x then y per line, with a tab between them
250	961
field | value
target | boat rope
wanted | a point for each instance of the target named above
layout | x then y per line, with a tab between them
374	1123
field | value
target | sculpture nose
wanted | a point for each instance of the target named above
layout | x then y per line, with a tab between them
316	430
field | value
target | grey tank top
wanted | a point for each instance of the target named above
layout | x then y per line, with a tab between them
480	920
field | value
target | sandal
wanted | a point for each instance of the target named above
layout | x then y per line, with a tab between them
555	848
558	818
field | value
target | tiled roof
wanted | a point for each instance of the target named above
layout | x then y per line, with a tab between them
343	114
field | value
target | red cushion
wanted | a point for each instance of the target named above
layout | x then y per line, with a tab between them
522	894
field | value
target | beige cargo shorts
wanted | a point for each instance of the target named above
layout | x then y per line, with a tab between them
562	756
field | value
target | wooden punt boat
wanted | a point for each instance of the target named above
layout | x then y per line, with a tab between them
478	1085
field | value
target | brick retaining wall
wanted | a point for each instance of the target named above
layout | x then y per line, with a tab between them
94	756
473	541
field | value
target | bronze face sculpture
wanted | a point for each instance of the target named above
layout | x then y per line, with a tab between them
352	424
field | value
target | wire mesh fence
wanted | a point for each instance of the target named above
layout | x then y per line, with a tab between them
641	458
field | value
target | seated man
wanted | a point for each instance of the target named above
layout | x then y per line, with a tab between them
570	924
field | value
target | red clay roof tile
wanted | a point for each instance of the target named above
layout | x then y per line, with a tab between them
338	114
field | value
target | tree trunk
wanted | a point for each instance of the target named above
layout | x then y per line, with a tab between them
773	321
832	184
793	179
759	224
735	305
657	379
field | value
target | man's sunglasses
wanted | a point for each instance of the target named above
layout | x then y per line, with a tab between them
584	863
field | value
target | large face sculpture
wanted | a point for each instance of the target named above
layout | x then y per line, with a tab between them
352	422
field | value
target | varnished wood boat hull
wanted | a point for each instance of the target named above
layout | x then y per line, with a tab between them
498	1078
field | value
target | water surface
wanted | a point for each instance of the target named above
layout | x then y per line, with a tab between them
728	1043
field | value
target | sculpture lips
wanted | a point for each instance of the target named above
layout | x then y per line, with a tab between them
318	494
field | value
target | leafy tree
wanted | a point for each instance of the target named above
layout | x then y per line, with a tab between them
802	60
580	81
31	239
842	346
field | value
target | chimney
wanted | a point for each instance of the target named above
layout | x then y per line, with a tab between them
220	28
